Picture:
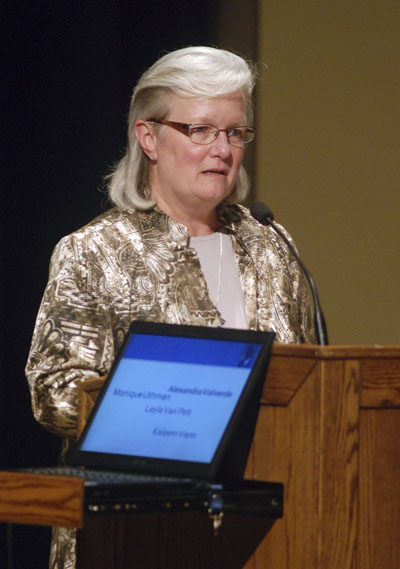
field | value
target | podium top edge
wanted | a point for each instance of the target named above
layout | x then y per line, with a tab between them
328	352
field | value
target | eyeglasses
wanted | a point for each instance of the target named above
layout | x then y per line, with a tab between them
206	134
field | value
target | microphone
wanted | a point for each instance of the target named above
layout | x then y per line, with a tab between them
264	215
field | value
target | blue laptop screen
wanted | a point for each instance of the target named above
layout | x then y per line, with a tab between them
171	397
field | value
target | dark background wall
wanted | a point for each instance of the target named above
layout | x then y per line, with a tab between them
70	70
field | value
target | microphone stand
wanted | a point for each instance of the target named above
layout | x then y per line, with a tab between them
265	216
320	325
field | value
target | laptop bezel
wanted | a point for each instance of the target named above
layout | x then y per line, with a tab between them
144	465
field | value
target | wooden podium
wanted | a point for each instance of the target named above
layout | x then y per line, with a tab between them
328	428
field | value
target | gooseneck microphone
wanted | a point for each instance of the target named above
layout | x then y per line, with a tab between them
264	215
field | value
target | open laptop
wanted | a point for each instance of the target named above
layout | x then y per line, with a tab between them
175	401
176	414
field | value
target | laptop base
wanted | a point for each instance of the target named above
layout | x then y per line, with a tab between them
118	492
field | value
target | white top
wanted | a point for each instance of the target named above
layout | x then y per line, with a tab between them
218	263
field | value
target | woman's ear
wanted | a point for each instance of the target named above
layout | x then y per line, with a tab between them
146	138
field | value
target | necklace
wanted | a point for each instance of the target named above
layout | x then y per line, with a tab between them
220	269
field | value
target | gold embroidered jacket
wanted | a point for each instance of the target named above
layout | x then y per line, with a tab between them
128	265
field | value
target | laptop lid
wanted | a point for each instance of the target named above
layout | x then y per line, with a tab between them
175	400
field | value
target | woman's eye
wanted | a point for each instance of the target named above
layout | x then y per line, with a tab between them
201	128
235	132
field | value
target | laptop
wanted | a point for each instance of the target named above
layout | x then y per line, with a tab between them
175	400
176	416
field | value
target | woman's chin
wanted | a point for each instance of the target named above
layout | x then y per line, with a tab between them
214	192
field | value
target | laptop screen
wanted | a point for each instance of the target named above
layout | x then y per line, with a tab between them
173	398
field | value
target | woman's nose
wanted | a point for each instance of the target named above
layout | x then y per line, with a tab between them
221	145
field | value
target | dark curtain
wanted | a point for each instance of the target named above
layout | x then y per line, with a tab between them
70	68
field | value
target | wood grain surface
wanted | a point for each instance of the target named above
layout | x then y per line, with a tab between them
44	500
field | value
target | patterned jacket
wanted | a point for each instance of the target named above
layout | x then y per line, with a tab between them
128	265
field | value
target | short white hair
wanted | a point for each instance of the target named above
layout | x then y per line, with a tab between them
189	72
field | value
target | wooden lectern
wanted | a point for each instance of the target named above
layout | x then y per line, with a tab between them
328	428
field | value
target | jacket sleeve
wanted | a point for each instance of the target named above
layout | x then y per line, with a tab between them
73	338
302	295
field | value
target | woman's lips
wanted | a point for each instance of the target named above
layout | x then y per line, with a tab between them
215	172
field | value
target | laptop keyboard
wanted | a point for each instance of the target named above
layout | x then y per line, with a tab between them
105	476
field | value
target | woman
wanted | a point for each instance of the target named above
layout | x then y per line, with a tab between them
175	248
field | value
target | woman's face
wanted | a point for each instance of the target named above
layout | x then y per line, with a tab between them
196	177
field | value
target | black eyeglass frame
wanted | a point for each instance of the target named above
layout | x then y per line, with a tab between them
185	128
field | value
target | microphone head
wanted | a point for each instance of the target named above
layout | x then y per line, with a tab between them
262	213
